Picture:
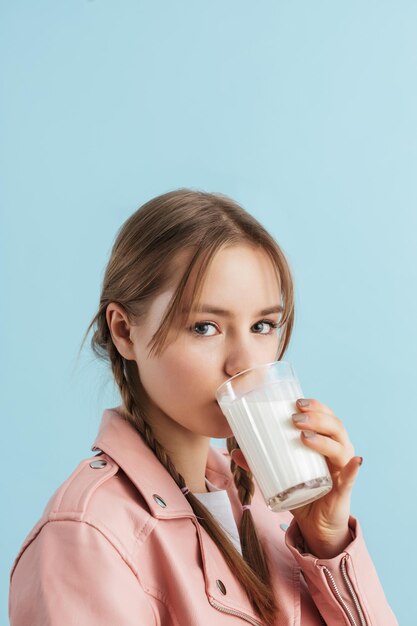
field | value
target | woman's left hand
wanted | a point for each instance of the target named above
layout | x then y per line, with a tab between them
324	522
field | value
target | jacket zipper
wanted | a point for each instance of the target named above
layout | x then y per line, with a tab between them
219	607
354	597
352	591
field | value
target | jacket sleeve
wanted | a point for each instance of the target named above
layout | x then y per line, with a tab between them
346	586
71	575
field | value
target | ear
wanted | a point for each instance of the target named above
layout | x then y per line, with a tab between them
120	330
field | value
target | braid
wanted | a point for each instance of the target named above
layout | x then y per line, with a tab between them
243	479
252	549
133	414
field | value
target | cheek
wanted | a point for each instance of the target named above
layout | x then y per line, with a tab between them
178	378
182	385
185	372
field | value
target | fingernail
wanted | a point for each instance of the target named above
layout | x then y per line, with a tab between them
299	417
303	402
361	460
309	434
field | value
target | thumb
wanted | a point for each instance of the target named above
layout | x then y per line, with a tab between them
239	458
348	474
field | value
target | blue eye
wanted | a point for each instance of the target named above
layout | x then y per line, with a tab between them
263	327
201	327
271	326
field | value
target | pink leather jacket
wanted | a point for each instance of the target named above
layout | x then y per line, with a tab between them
118	544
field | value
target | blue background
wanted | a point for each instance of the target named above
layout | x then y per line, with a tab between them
305	113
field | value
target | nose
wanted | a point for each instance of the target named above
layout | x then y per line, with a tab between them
239	359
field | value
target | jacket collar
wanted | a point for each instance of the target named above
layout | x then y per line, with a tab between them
119	439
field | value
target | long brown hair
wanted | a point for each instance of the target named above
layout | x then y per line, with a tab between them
141	265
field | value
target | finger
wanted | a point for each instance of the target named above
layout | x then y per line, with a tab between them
337	453
313	405
322	423
239	458
348	474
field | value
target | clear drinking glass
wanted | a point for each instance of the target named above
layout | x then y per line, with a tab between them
258	404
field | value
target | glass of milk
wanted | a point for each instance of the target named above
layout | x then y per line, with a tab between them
258	404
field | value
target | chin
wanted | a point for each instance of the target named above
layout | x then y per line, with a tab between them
219	426
222	432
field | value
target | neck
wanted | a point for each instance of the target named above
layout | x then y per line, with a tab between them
187	450
190	459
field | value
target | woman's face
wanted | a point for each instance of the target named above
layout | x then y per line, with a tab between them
234	330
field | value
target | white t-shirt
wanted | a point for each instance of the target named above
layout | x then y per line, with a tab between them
218	503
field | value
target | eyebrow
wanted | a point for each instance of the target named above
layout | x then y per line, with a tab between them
207	308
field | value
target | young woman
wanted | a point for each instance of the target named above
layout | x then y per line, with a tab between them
159	528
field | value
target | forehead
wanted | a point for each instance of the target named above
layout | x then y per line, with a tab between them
238	275
241	274
241	279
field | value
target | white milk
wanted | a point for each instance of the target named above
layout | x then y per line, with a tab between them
262	424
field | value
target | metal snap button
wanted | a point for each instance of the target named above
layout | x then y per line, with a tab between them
159	500
283	526
99	464
221	586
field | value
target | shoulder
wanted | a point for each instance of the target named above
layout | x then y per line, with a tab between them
74	496
98	493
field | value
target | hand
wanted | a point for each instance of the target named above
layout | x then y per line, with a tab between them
324	522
